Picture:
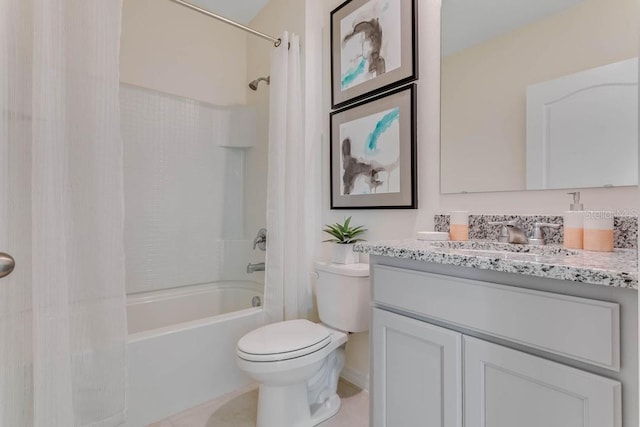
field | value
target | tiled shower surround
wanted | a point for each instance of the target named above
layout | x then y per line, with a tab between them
625	228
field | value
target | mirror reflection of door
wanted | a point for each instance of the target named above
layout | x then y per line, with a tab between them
491	60
582	129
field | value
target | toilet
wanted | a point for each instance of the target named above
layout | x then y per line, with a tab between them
297	362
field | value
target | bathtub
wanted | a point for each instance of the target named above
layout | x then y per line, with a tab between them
181	346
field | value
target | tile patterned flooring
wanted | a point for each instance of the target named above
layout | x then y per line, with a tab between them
238	409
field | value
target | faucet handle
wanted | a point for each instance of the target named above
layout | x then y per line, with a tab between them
504	232
512	231
261	240
538	234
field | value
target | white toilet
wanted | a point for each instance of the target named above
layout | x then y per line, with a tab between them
298	362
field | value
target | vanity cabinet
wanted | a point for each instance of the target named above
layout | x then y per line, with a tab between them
506	388
454	352
418	372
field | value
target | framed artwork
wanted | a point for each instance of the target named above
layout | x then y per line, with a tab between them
373	153
373	48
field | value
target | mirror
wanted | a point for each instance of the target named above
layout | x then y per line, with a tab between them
538	94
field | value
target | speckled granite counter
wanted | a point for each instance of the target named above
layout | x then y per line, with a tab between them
617	269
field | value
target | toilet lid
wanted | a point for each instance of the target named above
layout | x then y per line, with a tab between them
283	340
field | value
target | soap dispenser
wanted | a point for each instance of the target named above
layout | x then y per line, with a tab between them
574	223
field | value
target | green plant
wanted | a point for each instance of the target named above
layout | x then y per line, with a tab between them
344	233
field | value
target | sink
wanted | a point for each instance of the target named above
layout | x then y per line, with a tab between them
484	248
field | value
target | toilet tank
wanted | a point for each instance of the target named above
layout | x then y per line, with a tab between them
342	293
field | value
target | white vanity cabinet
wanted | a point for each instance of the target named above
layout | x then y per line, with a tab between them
454	352
507	388
418	373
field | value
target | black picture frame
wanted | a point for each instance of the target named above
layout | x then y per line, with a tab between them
407	51
347	124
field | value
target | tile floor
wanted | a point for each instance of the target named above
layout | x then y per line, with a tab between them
238	409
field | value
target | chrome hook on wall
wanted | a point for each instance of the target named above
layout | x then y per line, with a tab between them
261	240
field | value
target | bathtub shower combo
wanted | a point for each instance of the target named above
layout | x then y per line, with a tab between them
194	280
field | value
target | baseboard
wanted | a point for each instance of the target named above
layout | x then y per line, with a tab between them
356	377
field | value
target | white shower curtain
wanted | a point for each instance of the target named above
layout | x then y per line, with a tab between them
62	311
289	224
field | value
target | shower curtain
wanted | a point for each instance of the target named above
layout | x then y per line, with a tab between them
289	222
62	311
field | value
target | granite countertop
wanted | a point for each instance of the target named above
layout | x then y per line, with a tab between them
616	269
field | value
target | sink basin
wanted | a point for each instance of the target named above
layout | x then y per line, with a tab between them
481	248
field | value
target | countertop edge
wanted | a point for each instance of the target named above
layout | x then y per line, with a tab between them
426	253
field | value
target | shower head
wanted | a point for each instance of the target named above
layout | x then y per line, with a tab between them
254	84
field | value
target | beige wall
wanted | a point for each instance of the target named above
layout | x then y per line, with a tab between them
484	87
169	48
398	224
276	17
382	224
305	19
393	224
166	53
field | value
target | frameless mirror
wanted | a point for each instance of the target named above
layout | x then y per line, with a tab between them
538	94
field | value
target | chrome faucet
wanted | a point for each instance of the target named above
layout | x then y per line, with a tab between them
511	232
261	240
538	235
252	268
514	232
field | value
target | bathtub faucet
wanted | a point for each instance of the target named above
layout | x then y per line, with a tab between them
252	268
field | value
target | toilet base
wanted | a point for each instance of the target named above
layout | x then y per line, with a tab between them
305	403
327	410
272	400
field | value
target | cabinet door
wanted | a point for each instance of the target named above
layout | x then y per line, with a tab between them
506	388
416	373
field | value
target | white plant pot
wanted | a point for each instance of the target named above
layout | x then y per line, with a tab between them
343	254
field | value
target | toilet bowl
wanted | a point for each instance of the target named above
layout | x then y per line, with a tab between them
298	362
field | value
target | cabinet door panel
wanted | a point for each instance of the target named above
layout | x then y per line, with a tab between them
506	388
416	369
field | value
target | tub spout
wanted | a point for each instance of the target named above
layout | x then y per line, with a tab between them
252	268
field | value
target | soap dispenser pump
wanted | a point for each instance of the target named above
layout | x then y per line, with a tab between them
576	205
574	223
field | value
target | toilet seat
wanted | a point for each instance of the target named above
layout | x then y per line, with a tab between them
282	341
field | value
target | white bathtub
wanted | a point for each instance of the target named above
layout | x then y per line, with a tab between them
181	349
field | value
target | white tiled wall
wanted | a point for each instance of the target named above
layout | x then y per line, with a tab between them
184	186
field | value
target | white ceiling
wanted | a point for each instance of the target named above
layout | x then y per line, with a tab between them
242	11
464	22
469	22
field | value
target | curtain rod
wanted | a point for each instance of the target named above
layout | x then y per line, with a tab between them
276	41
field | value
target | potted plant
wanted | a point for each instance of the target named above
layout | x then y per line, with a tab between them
344	235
